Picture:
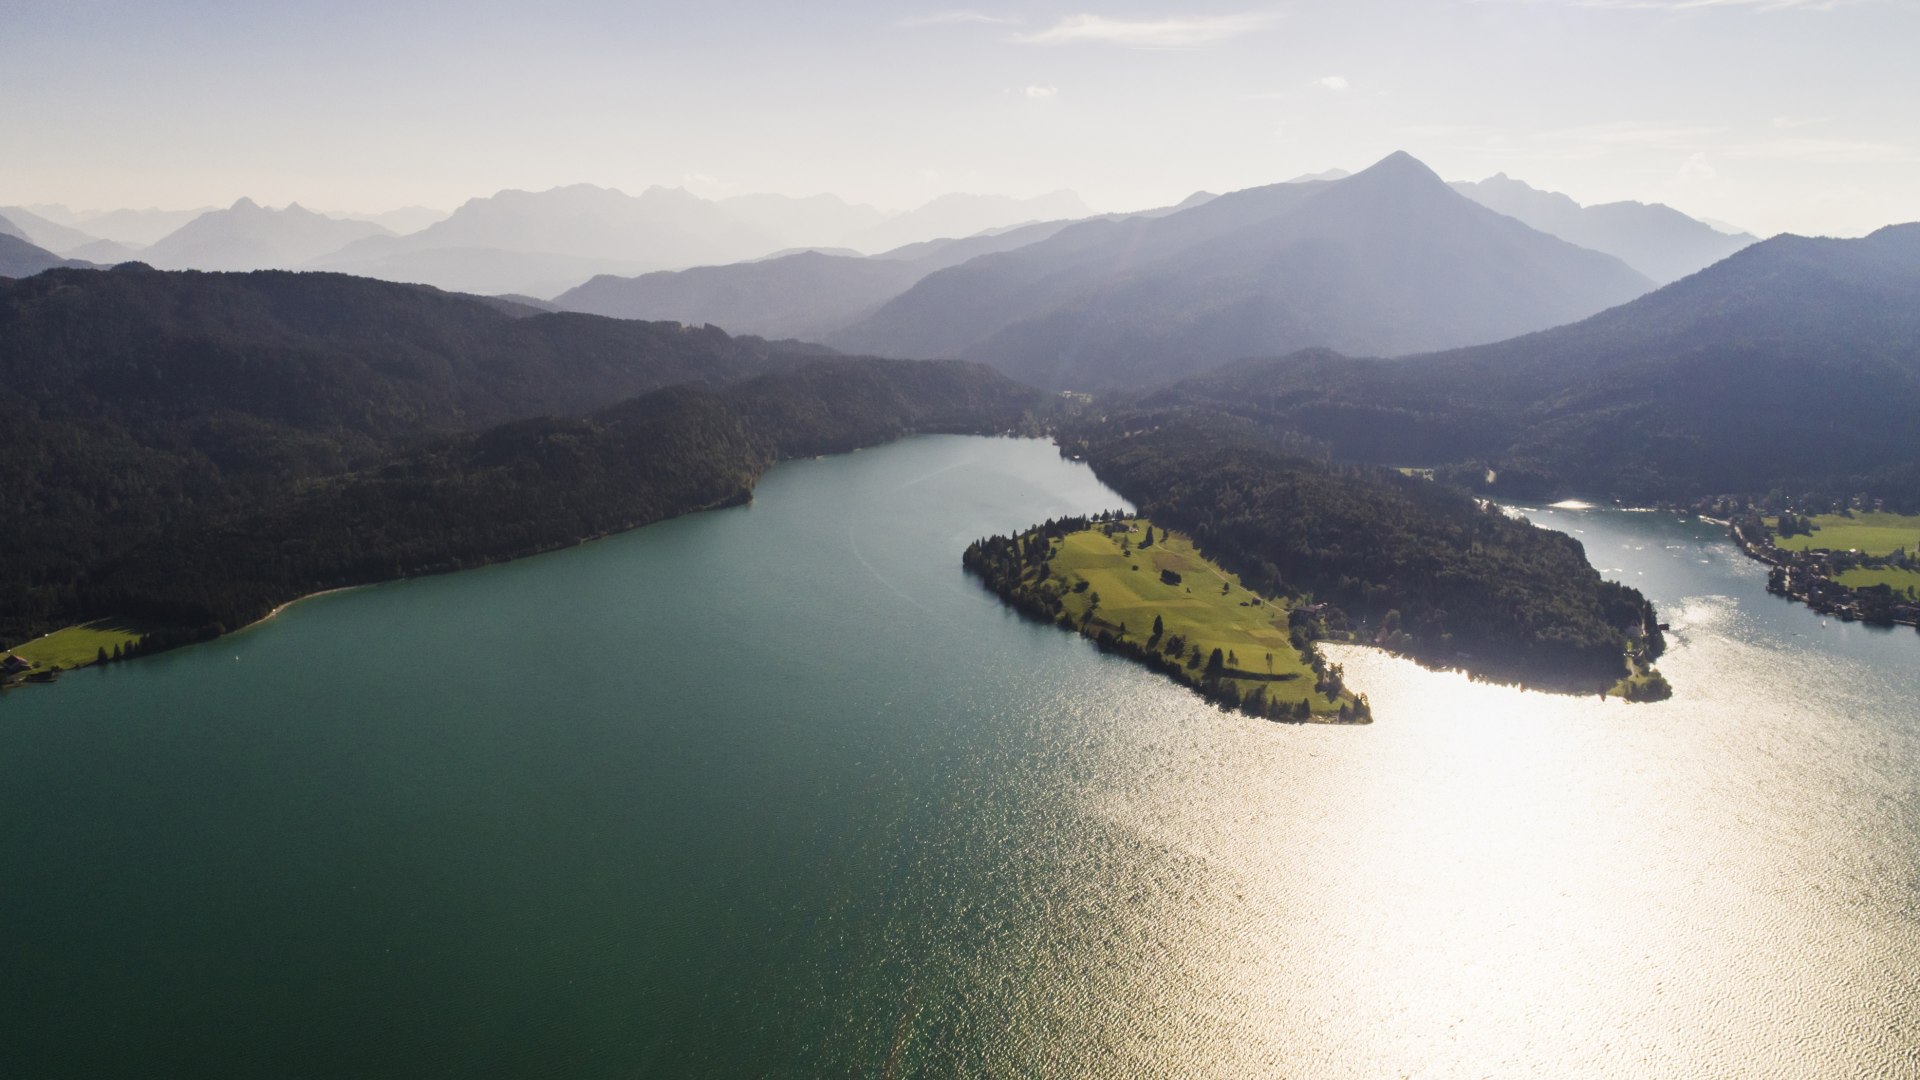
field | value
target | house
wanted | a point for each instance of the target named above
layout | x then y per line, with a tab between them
13	665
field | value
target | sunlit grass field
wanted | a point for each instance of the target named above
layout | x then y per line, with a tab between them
1209	608
1864	577
77	646
1868	533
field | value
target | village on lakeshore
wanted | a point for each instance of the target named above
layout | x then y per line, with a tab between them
1854	566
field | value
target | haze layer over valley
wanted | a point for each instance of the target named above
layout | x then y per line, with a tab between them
544	244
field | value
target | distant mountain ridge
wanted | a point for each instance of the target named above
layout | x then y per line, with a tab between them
43	232
1794	362
543	243
1655	239
135	228
248	236
805	294
1389	260
21	258
967	215
546	242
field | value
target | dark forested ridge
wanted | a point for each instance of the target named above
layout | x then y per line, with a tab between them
195	448
1418	567
1794	363
318	352
540	484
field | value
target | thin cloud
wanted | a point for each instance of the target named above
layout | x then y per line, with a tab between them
1696	170
1178	32
1692	5
1700	5
1824	151
1333	82
1042	91
960	18
1609	136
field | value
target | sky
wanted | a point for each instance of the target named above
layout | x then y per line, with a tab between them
1773	115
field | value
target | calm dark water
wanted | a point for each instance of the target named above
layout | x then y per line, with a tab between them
776	791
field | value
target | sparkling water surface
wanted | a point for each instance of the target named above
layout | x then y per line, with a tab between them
777	791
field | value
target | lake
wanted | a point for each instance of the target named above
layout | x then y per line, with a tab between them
777	791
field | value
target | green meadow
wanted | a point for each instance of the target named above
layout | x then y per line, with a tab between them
1208	609
1867	533
77	646
1906	582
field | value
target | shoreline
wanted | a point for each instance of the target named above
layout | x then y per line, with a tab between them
1801	577
307	596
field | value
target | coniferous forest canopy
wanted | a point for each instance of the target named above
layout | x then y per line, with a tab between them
192	449
1421	567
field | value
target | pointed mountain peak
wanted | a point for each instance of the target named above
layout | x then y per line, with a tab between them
1400	164
244	203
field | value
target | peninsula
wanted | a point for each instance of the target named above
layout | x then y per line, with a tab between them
1147	593
1417	568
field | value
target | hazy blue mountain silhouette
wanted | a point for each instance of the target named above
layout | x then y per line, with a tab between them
1653	238
1387	261
248	236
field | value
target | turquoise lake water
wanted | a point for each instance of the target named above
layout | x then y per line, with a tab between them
777	791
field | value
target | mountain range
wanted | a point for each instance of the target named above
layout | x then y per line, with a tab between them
135	228
1387	261
805	294
960	215
546	242
248	236
1653	238
42	232
21	258
1794	363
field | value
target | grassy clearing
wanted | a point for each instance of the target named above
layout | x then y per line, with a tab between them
1904	582
78	646
1869	534
1645	684
1208	609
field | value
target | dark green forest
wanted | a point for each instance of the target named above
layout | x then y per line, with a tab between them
1422	568
192	449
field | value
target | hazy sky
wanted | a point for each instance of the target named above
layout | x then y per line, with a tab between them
1773	114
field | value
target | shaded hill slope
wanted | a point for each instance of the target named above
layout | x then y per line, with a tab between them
1794	362
1387	261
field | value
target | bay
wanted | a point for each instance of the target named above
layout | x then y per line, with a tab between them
777	791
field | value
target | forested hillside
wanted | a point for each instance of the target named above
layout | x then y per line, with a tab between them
193	448
535	485
1419	567
1793	364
